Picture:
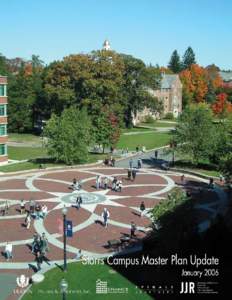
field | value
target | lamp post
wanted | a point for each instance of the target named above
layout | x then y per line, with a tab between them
63	288
64	212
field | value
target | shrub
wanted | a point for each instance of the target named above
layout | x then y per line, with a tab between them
169	116
149	119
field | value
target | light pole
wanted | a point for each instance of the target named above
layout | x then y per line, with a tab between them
64	212
63	288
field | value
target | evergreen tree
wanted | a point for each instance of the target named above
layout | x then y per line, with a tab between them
188	58
175	63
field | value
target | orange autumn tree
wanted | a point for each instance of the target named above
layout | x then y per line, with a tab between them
195	84
222	107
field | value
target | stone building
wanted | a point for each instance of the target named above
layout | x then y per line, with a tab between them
3	120
227	78
169	93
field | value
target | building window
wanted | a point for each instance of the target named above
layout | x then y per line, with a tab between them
3	130
2	90
2	149
3	110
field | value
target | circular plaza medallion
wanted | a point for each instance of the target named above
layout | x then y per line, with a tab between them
87	198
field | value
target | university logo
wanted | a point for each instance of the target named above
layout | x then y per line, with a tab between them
22	281
187	288
101	287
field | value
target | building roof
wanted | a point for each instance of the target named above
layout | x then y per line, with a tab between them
167	80
226	76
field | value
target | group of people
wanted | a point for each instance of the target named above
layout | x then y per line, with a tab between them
110	161
35	211
76	185
102	182
39	248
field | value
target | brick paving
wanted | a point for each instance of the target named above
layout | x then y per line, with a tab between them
89	234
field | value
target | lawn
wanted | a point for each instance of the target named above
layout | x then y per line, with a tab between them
22	153
136	129
82	284
24	138
149	140
37	159
158	125
203	167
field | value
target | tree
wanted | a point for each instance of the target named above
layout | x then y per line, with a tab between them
69	136
195	84
188	58
175	63
194	134
226	166
107	131
222	107
138	80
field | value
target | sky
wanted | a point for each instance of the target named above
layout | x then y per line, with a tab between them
146	29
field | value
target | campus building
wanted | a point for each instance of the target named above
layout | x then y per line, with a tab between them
227	78
3	120
169	94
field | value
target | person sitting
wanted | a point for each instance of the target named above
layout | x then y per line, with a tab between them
8	251
118	187
106	182
74	186
44	211
114	183
79	255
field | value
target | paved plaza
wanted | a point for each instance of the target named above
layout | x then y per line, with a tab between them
51	187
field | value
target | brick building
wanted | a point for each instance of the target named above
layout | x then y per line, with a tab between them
3	120
169	93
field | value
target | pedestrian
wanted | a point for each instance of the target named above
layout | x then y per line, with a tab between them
133	229
78	202
44	211
8	251
22	206
105	216
139	163
131	163
156	154
133	174
106	182
143	149
28	220
113	162
32	206
5	209
142	208
98	180
39	260
137	148
43	245
182	179
129	174
127	150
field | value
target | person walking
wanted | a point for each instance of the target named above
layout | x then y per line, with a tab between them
156	154
142	208
114	182
22	206
139	163
133	229
131	163
133	174
105	216
28	220
8	251
39	260
98	180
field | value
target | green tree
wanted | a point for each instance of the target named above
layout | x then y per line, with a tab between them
68	136
194	134
175	63
188	58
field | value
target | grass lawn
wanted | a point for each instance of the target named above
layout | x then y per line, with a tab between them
158	124
203	168
136	129
38	158
24	137
82	284
149	140
21	153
